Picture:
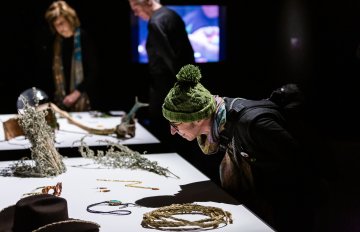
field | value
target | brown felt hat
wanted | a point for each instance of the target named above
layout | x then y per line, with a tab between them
42	213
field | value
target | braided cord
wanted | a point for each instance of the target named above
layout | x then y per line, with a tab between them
164	217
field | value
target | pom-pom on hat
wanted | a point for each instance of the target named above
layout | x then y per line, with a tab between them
188	100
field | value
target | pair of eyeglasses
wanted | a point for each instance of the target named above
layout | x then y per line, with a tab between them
175	126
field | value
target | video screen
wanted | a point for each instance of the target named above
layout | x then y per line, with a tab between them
203	28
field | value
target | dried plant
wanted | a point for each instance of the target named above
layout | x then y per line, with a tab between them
46	159
120	156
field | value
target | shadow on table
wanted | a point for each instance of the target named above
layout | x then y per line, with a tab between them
202	191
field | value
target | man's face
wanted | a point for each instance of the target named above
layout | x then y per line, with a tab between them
142	10
187	130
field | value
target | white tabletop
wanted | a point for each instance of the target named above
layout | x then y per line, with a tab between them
80	183
68	134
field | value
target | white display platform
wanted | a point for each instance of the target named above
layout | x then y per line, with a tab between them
69	133
80	190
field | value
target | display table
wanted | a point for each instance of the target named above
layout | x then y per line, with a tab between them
80	189
68	134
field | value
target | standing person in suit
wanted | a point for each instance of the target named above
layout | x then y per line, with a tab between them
168	49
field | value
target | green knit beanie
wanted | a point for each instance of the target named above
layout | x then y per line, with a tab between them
188	100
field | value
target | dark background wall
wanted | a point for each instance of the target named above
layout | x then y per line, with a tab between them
257	47
259	55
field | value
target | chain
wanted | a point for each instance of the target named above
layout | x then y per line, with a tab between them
133	183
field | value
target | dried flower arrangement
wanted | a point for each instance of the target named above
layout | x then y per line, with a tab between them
46	160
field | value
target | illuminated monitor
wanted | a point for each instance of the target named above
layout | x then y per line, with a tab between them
204	25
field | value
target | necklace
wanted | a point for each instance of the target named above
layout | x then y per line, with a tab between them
120	211
133	183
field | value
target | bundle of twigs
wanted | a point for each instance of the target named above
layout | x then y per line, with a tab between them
164	218
46	158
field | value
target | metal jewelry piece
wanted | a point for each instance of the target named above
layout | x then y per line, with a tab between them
133	183
104	190
119	211
57	189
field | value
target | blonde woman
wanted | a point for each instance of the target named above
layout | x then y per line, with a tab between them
74	64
